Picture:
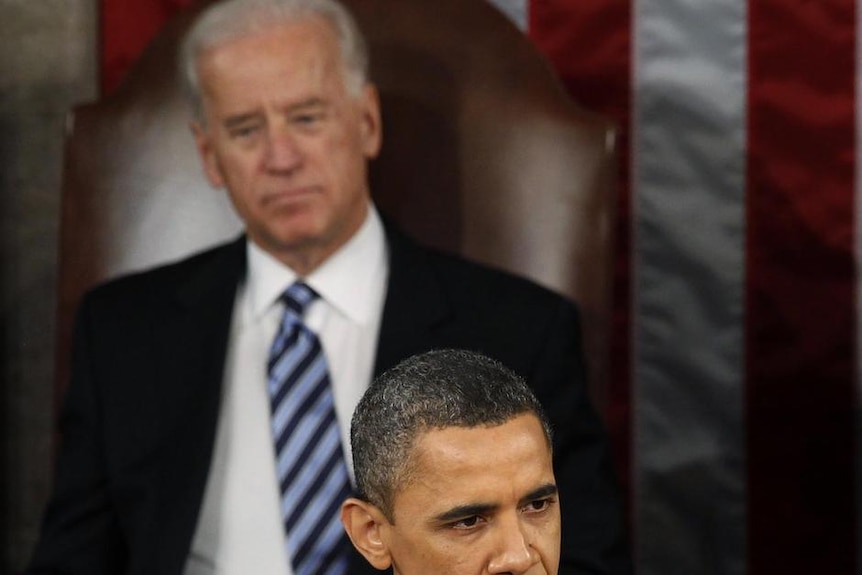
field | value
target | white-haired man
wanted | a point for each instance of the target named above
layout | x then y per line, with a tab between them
205	426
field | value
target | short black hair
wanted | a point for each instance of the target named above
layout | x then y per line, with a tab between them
433	390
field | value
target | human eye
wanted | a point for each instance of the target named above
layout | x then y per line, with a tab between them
467	523
539	505
308	119
243	131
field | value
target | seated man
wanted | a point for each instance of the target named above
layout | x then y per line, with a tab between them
202	393
452	454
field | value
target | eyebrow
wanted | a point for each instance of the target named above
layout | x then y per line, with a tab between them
313	102
469	510
465	511
240	119
539	493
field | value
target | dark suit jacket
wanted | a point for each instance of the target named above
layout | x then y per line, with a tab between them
139	420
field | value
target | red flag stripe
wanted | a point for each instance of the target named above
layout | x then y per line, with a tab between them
801	305
127	27
589	44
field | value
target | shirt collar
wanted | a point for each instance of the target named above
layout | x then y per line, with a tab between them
347	280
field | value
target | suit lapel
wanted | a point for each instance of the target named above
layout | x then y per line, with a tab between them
415	303
193	338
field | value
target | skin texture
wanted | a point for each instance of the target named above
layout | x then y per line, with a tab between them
478	501
287	140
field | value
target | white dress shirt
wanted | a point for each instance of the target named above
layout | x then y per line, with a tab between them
240	529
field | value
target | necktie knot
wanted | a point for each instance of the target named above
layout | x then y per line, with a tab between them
297	297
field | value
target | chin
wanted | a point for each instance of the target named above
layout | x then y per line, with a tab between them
297	230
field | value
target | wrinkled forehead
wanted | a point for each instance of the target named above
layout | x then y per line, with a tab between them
260	23
510	457
280	65
287	39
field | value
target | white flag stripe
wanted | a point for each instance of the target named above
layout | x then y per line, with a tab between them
688	190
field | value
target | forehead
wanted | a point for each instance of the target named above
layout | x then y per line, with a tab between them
458	466
280	56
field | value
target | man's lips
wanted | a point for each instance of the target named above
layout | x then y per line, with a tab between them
286	196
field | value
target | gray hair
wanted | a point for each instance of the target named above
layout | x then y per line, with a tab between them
230	19
434	390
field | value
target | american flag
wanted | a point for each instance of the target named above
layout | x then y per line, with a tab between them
734	403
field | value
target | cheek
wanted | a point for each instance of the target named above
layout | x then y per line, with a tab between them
451	557
422	553
346	147
343	170
238	172
548	544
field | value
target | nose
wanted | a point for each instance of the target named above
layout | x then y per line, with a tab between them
283	153
515	554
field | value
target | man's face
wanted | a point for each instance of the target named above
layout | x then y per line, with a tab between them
282	133
478	501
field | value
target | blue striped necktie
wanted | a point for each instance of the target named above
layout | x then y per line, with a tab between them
312	472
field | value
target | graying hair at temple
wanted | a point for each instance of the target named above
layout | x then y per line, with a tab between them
434	390
231	19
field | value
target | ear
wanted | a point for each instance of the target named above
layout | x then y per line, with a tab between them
209	161
363	522
371	126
